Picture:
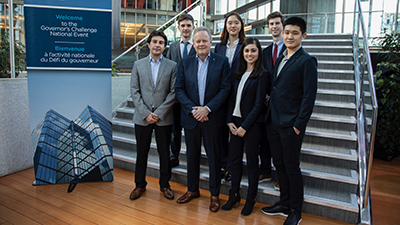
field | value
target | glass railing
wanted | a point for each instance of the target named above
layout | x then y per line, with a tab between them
367	109
124	61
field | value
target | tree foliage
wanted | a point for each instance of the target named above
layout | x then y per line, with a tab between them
388	92
19	52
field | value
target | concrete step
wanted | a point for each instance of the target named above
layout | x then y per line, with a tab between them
332	122
336	74
335	65
336	84
328	49
333	138
334	108
335	95
333	57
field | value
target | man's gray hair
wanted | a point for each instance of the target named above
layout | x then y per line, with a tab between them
203	29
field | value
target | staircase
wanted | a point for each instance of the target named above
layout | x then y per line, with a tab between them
329	158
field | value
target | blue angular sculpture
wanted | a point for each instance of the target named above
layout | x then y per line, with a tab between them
73	151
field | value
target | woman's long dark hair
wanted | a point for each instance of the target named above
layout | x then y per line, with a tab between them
225	34
258	66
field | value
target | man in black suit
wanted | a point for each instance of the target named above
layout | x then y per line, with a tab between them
292	101
177	51
202	87
270	54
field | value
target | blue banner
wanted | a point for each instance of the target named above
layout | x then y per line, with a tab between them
72	3
67	38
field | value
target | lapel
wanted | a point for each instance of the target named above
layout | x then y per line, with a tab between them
282	50
147	70
237	51
211	64
289	63
249	79
223	49
160	72
192	51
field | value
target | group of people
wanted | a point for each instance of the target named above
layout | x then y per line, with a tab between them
239	98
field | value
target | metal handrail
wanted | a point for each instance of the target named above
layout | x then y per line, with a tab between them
364	188
162	27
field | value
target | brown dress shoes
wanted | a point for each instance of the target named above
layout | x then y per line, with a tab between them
214	204
188	196
136	193
168	193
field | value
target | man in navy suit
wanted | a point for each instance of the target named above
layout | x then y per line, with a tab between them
270	54
177	51
292	101
202	87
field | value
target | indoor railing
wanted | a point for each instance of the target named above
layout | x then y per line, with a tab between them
141	44
366	120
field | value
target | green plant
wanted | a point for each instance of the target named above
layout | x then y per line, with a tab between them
19	52
388	91
114	71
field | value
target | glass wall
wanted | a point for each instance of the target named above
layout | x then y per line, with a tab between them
19	23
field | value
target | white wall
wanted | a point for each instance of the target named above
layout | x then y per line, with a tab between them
16	153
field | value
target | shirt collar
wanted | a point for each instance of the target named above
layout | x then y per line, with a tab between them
285	52
190	41
235	42
159	59
208	56
279	42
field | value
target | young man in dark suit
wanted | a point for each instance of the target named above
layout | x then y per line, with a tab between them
270	54
293	94
177	51
202	87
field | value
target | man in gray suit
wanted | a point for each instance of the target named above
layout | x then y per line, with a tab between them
153	95
177	51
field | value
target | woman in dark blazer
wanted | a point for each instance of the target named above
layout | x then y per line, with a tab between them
231	41
245	121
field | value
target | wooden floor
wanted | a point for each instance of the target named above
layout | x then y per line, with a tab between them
108	203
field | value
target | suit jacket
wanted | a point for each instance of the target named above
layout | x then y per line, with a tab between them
216	93
267	55
174	52
221	49
252	99
144	93
293	92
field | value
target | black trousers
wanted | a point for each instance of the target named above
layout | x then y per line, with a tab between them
212	142
285	149
265	153
225	147
176	131
251	143
143	140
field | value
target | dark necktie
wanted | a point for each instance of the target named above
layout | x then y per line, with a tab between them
184	49
275	54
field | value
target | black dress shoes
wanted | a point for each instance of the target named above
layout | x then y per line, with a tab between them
294	218
248	207
276	209
174	162
136	193
168	193
188	196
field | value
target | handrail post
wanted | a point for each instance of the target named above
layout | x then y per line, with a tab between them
362	63
11	30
